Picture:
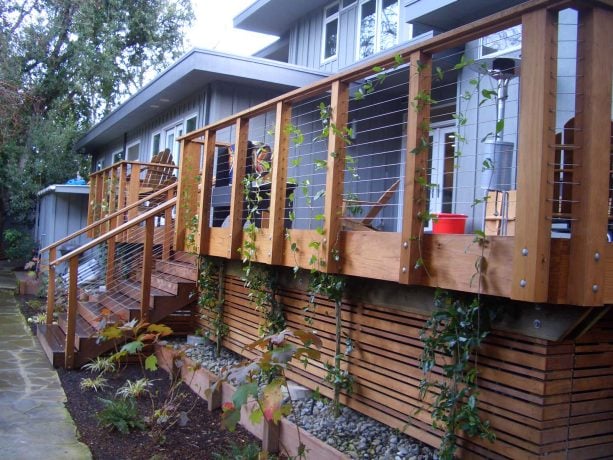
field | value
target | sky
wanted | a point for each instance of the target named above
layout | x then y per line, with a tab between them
213	28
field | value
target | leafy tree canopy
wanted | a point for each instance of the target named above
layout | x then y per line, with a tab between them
64	65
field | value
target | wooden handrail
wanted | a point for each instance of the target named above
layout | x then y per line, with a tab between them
493	23
107	218
122	228
126	162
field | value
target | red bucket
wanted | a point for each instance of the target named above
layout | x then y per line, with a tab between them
449	223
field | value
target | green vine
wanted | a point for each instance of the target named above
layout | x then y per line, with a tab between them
211	299
452	337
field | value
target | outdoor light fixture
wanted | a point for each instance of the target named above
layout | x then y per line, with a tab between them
497	171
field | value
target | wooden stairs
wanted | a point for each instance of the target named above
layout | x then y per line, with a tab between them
173	297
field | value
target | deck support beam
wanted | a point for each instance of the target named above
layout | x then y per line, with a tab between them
415	173
593	138
535	157
189	167
335	176
239	164
206	186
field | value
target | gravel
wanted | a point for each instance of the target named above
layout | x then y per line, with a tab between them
352	433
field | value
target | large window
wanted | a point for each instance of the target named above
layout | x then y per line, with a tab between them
155	144
501	43
330	33
378	26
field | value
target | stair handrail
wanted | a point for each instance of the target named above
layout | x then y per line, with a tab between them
108	218
73	263
128	162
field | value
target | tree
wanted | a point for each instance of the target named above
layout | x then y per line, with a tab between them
64	65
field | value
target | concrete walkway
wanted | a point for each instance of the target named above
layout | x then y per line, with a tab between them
34	424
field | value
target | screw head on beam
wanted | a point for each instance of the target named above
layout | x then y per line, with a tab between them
523	283
405	244
597	256
595	288
524	252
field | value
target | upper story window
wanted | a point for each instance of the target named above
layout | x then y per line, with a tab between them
378	26
502	42
330	33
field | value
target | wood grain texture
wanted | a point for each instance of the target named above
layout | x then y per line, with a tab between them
206	185
189	169
237	196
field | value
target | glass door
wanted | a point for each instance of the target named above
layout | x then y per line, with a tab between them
441	177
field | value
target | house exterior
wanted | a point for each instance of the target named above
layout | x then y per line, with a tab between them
494	112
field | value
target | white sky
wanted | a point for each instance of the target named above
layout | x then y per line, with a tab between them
213	28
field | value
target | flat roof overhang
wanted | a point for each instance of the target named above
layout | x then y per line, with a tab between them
275	17
192	72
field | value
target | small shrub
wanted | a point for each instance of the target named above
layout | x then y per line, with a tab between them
39	318
17	244
101	365
121	415
249	451
96	383
135	389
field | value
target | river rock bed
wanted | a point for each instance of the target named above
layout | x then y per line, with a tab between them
205	355
357	435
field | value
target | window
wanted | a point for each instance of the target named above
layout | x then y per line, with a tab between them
191	124
502	42
155	144
378	26
133	151
348	3
100	164
330	34
117	157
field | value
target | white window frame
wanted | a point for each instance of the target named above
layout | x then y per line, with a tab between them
129	146
327	20
378	15
501	52
153	152
189	117
117	154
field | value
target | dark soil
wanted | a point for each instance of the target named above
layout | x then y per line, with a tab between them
201	438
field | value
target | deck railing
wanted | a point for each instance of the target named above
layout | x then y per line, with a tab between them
530	265
115	257
118	187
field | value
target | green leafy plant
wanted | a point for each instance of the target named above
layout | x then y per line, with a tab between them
211	299
102	365
451	338
135	389
93	383
17	245
121	415
249	451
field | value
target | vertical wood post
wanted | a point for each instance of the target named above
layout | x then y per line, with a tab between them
335	176
98	201
168	229
91	203
270	437
71	317
593	138
416	165
133	188
121	198
535	157
110	263
113	179
187	191
147	268
237	195
279	183
51	285
206	186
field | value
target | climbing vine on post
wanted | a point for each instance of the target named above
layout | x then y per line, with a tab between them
211	299
451	338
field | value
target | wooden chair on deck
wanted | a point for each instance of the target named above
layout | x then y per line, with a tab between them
159	175
365	223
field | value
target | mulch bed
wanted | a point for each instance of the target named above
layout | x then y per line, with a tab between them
201	438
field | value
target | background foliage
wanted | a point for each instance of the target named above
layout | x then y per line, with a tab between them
64	65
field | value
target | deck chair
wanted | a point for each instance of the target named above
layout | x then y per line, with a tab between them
365	223
159	174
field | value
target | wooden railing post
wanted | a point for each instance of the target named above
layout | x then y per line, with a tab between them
279	183
169	230
206	185
593	140
237	194
110	263
415	173
91	203
112	194
133	188
99	196
535	157
335	177
71	314
121	197
187	192
147	268
51	285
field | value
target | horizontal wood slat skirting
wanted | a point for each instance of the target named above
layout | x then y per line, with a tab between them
543	398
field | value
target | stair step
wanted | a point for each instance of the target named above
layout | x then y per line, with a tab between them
185	270
132	289
180	256
124	307
52	339
173	284
84	331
